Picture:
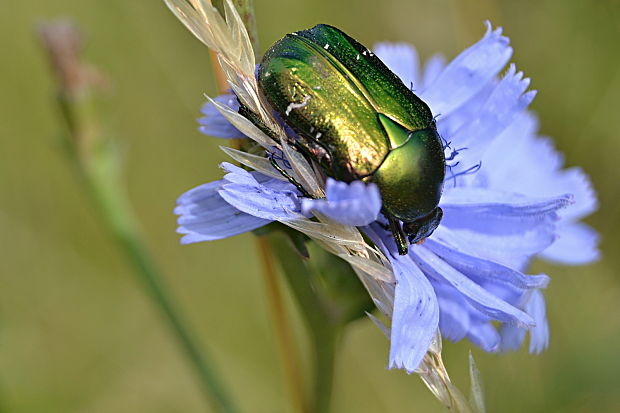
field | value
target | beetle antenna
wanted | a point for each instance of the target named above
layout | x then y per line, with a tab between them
445	142
469	171
454	152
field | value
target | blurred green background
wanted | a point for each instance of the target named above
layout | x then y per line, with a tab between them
78	335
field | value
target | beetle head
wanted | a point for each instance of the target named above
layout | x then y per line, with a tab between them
422	228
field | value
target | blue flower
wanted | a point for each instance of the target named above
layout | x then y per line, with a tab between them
506	200
214	124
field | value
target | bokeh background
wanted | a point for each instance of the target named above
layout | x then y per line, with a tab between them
77	333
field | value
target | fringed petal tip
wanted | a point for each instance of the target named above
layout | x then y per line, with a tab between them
258	195
355	204
496	34
468	73
576	244
512	337
203	215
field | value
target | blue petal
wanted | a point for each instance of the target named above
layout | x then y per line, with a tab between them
468	73
539	334
402	59
356	204
454	314
482	270
214	123
447	126
415	316
266	200
481	299
576	245
533	167
478	222
512	337
577	182
506	101
485	336
432	69
205	216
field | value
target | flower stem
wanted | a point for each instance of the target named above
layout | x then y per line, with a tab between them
98	165
281	323
116	215
325	345
326	315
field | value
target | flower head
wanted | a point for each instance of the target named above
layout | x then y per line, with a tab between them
506	200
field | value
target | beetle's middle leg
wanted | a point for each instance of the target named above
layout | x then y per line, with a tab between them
288	176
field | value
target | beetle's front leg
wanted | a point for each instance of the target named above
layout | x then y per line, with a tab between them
399	235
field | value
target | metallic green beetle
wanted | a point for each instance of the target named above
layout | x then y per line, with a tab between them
358	121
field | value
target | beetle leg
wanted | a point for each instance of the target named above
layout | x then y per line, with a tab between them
384	226
399	235
288	176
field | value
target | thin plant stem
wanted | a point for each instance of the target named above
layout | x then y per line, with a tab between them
97	165
325	321
325	345
281	324
119	221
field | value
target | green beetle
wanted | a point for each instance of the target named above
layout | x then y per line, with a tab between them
358	121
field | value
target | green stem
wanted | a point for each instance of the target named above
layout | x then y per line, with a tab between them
282	327
325	345
324	320
98	164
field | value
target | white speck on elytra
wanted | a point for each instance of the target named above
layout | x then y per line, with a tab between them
317	88
364	52
326	46
294	105
318	135
357	57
